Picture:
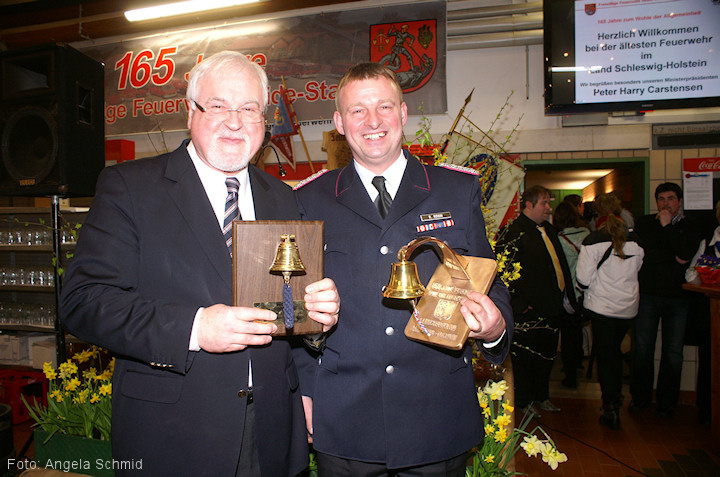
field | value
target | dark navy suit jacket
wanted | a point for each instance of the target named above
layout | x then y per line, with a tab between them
377	396
149	254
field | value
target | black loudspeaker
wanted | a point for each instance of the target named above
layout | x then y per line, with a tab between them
52	126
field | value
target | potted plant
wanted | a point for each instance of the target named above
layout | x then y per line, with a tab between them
72	433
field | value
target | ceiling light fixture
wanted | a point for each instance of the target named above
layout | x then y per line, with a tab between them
181	8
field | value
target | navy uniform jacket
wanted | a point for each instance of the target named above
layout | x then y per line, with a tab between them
149	254
377	396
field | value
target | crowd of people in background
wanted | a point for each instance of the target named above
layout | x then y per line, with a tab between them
593	266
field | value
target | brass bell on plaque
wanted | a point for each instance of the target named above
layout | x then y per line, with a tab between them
287	258
436	316
287	261
404	283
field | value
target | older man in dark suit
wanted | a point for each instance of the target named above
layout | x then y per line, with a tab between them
200	387
385	405
544	288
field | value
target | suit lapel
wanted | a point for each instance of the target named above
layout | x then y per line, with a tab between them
351	193
265	203
194	206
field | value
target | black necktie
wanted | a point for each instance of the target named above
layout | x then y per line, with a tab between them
383	200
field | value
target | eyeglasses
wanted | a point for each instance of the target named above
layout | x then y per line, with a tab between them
220	113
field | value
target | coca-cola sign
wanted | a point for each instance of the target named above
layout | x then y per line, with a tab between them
702	164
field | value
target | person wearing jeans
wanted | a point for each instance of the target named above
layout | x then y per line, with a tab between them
670	240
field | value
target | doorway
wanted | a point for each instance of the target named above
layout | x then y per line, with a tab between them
628	178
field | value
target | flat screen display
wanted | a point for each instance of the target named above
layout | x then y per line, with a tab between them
631	55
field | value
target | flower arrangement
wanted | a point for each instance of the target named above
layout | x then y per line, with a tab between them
79	401
501	442
708	268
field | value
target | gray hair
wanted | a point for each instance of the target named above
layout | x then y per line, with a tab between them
229	62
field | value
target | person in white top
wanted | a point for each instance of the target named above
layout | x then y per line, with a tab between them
607	270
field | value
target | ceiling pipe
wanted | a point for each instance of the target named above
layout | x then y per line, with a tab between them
496	26
499	10
532	21
494	40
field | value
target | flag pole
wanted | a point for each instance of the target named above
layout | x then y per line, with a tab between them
297	123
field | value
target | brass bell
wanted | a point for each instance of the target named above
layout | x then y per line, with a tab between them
404	282
287	258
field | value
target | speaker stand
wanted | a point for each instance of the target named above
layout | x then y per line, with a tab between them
59	333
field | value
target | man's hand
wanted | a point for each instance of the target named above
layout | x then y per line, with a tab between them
664	216
482	316
323	302
222	329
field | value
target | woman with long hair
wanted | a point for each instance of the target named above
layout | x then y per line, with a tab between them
607	271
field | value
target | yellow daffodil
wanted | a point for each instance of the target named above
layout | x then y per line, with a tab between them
501	434
490	459
72	384
67	369
106	389
508	407
90	374
49	370
94	398
56	395
489	429
552	456
532	445
83	356
502	420
495	391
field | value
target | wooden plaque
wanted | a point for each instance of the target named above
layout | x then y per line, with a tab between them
439	309
255	245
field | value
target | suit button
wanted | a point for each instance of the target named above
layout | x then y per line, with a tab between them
384	250
389	331
242	393
389	369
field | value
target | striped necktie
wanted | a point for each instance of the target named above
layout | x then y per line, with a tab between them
232	212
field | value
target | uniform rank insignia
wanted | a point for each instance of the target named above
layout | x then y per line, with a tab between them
455	167
308	180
